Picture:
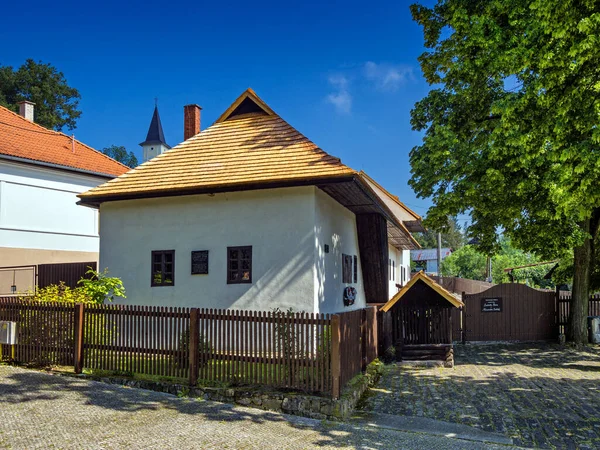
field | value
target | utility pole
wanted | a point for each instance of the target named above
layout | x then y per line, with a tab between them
439	254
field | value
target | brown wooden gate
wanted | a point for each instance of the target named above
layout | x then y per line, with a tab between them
68	273
510	312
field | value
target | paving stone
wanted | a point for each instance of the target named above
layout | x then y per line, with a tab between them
42	411
543	395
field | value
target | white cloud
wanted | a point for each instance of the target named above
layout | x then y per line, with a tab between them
341	98
387	77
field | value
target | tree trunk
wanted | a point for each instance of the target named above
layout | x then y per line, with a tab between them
583	261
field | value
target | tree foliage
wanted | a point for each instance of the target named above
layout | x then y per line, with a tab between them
452	236
120	153
511	126
56	103
468	262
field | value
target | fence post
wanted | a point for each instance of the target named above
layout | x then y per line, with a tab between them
335	356
194	338
78	335
463	318
364	339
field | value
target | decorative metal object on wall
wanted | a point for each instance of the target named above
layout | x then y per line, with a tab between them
349	296
200	262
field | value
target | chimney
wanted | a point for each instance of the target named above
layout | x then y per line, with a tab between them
191	121
26	109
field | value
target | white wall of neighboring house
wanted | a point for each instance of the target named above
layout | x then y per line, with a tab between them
335	226
286	227
398	269
39	217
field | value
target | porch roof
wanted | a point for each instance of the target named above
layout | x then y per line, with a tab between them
421	277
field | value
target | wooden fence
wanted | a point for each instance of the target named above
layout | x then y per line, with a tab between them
510	312
44	335
309	352
563	307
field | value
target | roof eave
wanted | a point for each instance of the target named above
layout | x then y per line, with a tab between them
95	200
36	162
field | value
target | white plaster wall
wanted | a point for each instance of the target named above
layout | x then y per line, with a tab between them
405	262
38	209
277	223
335	226
393	270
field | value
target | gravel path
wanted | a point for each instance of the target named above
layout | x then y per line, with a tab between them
39	410
541	395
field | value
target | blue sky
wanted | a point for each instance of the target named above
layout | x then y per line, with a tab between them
343	73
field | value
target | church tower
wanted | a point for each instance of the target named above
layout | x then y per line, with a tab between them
155	143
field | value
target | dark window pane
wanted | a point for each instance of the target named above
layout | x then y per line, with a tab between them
246	254
233	265
157	257
246	276
233	275
233	254
168	257
245	265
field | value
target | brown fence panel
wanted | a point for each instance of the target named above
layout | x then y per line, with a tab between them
510	311
564	308
137	339
44	332
284	350
350	345
456	324
69	273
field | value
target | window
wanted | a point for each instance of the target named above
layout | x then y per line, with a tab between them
393	270
239	265
355	269
163	268
346	268
390	268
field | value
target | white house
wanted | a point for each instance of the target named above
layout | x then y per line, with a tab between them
251	214
41	173
427	258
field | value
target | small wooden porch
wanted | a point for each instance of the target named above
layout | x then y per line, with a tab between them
417	321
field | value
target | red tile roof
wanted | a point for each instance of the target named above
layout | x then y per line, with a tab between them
21	138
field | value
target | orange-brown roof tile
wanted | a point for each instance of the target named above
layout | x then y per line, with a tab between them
20	138
238	150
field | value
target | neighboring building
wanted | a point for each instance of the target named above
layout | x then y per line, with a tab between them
155	143
426	259
41	172
251	214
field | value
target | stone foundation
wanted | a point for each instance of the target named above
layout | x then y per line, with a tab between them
297	403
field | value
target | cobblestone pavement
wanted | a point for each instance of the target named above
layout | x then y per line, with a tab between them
39	410
542	395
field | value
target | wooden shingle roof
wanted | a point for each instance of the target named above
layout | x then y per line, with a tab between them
22	140
248	146
423	278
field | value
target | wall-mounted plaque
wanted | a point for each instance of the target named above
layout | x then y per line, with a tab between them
200	262
491	304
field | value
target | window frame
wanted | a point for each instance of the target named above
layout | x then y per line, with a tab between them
153	283
239	260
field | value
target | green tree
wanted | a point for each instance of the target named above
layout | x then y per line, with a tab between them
56	103
452	236
466	262
511	129
120	153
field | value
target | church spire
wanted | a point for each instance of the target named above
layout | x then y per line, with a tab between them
155	142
